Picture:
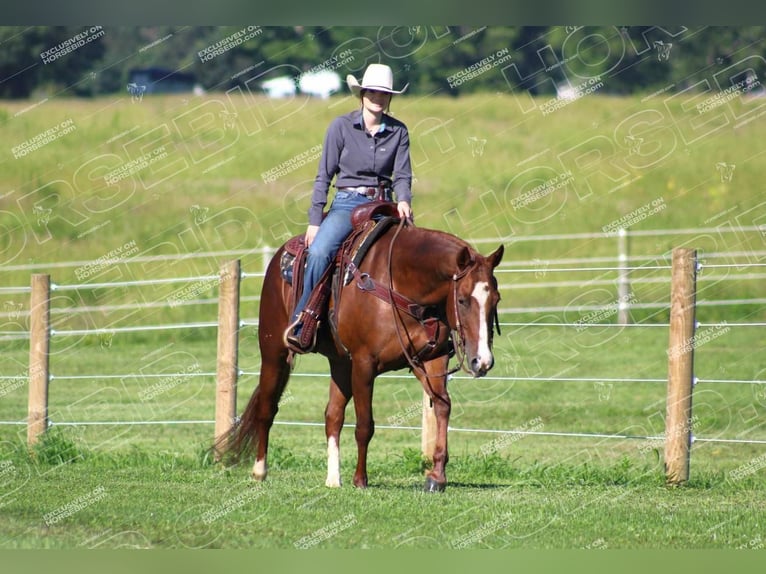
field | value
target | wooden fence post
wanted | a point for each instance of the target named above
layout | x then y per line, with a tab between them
39	353
623	283
678	422
228	349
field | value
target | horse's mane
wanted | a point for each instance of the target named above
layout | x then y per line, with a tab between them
449	238
450	241
421	248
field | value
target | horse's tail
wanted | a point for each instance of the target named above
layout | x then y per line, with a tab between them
276	363
242	439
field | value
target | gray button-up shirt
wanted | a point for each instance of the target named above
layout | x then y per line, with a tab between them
357	158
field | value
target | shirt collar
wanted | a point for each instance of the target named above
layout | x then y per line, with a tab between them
360	122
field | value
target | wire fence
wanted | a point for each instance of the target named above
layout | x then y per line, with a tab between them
568	265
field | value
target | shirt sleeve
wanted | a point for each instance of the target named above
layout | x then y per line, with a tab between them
403	169
328	168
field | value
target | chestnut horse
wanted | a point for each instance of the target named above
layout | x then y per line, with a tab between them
455	300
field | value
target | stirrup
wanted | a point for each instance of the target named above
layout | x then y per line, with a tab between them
289	335
295	342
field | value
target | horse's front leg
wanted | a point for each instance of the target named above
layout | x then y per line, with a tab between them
435	384
363	377
340	394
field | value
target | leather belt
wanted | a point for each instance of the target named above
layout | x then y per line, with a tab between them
370	192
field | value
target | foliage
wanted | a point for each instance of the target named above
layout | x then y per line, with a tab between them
25	64
538	58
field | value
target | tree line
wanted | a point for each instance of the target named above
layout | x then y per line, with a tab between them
454	60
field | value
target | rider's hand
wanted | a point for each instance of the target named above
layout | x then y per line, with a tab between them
404	209
311	233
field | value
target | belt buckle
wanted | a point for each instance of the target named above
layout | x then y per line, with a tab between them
370	192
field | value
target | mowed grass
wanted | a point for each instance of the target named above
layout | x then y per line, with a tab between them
131	482
126	485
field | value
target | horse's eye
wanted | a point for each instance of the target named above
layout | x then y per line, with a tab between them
463	301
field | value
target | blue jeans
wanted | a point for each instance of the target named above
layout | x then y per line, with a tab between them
331	235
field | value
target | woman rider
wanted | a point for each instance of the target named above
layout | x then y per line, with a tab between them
368	153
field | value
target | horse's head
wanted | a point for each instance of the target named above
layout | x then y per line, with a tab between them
473	301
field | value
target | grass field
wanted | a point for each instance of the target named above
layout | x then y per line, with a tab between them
485	166
77	208
505	491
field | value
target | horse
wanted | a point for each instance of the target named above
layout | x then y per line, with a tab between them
436	298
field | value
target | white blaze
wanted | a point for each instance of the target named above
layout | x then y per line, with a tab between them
333	463
481	294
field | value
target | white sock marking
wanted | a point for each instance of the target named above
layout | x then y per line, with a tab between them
333	463
259	469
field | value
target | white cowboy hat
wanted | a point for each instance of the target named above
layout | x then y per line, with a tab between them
377	77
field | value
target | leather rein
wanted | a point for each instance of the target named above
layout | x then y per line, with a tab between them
401	304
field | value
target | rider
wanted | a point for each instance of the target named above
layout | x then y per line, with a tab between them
367	151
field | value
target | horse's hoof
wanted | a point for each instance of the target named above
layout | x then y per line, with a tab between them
434	486
333	482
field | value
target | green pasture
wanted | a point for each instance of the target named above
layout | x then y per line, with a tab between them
154	485
233	173
131	186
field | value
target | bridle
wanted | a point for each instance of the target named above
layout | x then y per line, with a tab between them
402	305
457	335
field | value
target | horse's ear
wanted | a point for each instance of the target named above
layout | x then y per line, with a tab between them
497	256
464	258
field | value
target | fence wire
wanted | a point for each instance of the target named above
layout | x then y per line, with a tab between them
254	322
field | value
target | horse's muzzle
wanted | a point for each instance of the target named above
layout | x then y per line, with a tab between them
480	367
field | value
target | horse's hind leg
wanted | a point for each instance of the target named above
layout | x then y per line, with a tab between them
254	425
275	371
335	413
